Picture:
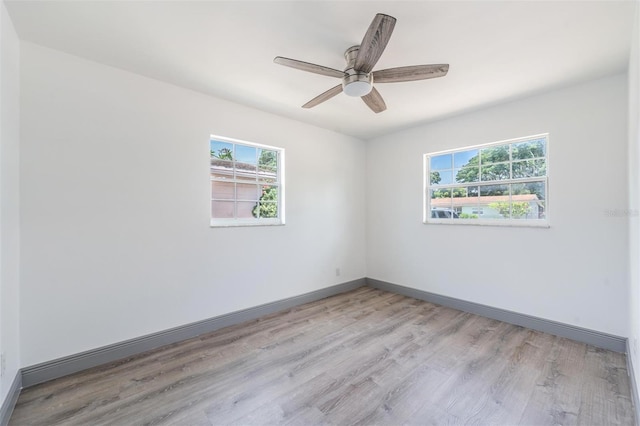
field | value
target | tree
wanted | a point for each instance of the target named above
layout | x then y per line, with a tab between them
268	159
527	161
435	178
471	171
223	154
459	192
446	193
531	149
441	193
267	206
518	209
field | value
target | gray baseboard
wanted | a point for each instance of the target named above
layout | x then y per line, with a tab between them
71	364
12	397
584	335
634	386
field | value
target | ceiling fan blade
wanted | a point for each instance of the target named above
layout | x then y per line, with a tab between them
410	73
323	96
306	66
374	101
374	42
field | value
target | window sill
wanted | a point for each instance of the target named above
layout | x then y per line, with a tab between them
476	222
238	223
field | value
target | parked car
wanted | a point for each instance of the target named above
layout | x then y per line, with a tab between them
443	214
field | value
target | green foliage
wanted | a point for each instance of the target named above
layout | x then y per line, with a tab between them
502	208
467	216
527	161
491	190
441	193
223	154
530	149
267	206
435	178
529	168
459	192
447	192
518	208
268	159
494	154
471	171
495	172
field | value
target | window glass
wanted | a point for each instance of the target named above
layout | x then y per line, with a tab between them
498	183
441	162
246	183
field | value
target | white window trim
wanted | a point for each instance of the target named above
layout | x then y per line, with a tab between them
234	222
536	223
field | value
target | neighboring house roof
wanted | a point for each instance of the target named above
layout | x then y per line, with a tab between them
228	164
243	170
466	201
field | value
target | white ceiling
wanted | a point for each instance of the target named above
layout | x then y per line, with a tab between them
497	50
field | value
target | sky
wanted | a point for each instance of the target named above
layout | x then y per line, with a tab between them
243	154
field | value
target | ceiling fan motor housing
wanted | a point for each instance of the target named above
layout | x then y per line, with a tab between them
355	83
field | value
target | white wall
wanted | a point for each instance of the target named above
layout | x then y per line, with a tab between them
9	200
634	196
115	191
575	272
114	210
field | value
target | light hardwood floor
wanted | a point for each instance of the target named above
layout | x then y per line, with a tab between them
364	357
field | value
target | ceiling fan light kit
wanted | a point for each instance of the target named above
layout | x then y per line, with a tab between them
354	83
358	77
357	88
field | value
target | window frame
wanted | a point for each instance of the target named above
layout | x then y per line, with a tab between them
235	221
427	187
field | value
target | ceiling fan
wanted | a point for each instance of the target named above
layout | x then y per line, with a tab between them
357	77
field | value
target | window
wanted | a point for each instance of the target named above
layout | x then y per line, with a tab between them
502	183
246	183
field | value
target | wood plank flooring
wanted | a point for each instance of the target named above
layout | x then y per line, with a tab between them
366	357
